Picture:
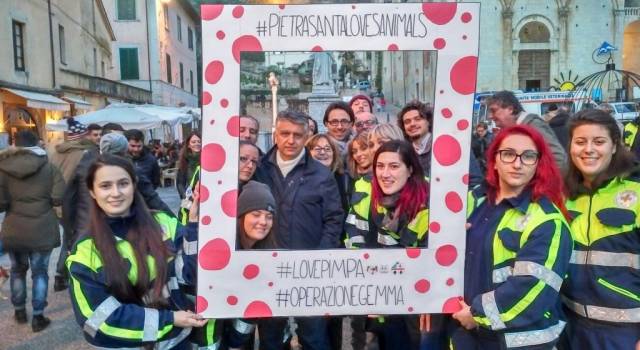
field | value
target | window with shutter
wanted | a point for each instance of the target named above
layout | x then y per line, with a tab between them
129	64
169	78
126	10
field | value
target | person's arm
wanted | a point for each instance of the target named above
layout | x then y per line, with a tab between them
155	173
539	269
559	155
356	226
332	213
181	183
100	314
151	197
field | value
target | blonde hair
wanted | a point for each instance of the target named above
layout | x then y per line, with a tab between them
387	131
362	138
336	161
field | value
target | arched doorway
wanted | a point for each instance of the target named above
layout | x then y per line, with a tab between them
18	119
534	59
631	47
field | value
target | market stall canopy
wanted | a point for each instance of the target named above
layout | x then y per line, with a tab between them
132	116
38	100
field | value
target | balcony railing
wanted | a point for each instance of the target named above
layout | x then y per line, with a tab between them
630	11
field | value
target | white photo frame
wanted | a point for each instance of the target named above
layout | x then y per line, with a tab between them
255	283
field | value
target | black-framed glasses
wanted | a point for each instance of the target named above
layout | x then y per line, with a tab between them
326	149
528	157
245	160
343	122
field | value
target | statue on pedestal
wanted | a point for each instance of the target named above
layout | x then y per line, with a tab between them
322	74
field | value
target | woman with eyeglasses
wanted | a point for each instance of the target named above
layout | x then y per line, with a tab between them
126	270
602	292
248	158
518	249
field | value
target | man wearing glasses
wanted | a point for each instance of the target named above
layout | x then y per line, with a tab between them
364	121
505	110
339	118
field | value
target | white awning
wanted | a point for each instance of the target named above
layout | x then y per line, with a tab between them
78	103
38	100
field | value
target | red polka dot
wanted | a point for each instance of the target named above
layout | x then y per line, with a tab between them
232	300
212	157
449	281
439	43
446	112
439	13
434	227
206	98
452	305
281	6
392	47
465	179
251	271
224	103
214	255
229	203
237	12
245	43
422	286
317	49
463	75
257	309
410	309
413	253
220	34
453	201
206	220
233	126
270	284
466	17
365	255
463	124
213	72
446	150
204	193
210	12
274	254
201	304
446	255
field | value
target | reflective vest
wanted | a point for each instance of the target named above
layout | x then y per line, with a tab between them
604	275
358	222
184	213
106	321
630	132
530	251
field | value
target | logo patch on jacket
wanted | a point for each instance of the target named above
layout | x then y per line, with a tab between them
626	199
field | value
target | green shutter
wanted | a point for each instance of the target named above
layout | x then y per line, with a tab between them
129	64
126	10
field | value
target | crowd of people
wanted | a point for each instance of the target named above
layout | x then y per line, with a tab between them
552	237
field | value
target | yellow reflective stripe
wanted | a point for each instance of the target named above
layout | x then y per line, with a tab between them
420	224
533	293
618	290
79	298
210	330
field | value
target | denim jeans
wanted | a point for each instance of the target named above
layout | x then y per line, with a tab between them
39	262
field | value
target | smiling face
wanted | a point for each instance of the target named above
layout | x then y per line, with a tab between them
362	157
338	124
248	162
415	126
322	152
514	176
113	190
364	121
391	172
591	150
375	142
257	225
248	130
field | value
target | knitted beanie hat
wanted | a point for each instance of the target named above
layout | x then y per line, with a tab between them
255	196
76	130
114	143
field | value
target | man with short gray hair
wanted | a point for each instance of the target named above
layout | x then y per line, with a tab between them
310	214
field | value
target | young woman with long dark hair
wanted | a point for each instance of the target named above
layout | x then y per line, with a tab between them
518	249
188	172
126	268
602	293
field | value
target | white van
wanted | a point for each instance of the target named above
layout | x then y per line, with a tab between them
624	111
539	102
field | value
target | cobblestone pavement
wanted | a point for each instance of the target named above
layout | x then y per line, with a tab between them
63	333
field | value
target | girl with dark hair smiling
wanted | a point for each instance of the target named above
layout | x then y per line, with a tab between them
125	270
518	249
602	293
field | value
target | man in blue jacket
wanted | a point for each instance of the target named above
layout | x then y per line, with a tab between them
310	215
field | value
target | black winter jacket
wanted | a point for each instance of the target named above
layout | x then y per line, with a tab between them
147	165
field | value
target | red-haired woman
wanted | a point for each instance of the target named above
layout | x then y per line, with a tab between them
398	218
518	249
